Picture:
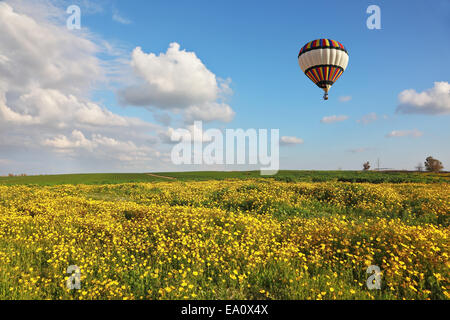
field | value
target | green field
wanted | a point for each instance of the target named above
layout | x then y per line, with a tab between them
225	235
284	175
282	237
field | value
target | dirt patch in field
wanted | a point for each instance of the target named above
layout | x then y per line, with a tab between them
158	176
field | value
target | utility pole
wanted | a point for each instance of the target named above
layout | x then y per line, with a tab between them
378	164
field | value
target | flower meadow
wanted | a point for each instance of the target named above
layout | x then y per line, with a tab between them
230	239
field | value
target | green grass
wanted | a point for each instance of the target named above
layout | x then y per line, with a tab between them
290	240
284	175
92	178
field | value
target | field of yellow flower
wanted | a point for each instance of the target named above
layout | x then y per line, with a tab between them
231	239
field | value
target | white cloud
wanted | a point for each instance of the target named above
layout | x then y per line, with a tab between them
178	81
119	18
47	75
368	118
334	118
432	101
39	53
101	147
405	133
191	133
289	140
54	108
77	140
45	12
345	98
209	111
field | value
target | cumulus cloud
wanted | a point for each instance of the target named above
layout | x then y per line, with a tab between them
61	142
41	51
334	118
104	147
290	140
368	118
47	75
405	133
209	112
432	101
345	98
54	108
192	133
178	81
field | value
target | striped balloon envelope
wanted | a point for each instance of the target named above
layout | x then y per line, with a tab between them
323	61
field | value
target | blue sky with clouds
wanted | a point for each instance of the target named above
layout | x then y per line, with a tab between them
393	100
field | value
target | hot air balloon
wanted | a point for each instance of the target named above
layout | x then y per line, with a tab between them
323	61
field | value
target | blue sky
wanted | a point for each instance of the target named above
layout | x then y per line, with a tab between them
255	44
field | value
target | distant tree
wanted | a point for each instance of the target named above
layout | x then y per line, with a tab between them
419	167
366	166
433	165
